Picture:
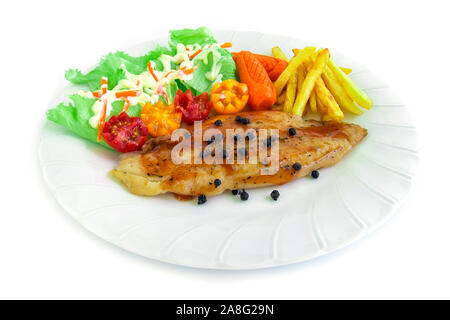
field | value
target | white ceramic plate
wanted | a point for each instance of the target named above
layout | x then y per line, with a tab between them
311	218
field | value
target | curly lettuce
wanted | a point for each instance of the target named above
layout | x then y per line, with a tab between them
203	37
111	67
75	116
200	83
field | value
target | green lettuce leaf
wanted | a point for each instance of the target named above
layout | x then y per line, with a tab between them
110	67
75	116
172	90
199	83
201	36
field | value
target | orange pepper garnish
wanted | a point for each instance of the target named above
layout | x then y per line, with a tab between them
226	45
229	96
160	119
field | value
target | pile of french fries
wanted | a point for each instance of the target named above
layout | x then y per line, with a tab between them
313	80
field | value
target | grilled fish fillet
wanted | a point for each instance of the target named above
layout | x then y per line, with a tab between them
315	145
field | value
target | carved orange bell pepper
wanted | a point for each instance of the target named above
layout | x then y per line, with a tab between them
229	96
160	119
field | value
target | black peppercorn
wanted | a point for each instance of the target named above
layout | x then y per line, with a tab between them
245	121
297	166
244	195
275	195
201	199
292	131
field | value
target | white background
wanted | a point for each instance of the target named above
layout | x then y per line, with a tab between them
46	254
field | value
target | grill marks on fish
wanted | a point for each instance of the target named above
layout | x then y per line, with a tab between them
315	145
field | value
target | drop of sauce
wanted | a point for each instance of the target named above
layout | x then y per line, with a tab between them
181	197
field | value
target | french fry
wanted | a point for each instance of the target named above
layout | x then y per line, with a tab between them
327	98
278	53
290	92
300	80
313	57
342	98
300	77
328	101
313	102
311	77
308	49
359	96
308	65
281	98
322	110
293	65
346	70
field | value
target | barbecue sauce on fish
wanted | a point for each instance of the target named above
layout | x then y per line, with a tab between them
298	148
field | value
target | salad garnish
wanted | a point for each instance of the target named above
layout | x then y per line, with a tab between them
193	60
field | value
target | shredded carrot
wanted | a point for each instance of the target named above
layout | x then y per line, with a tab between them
128	93
101	122
195	54
189	71
224	45
165	76
150	69
162	92
126	105
104	85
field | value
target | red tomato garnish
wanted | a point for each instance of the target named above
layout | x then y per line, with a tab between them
125	134
192	108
